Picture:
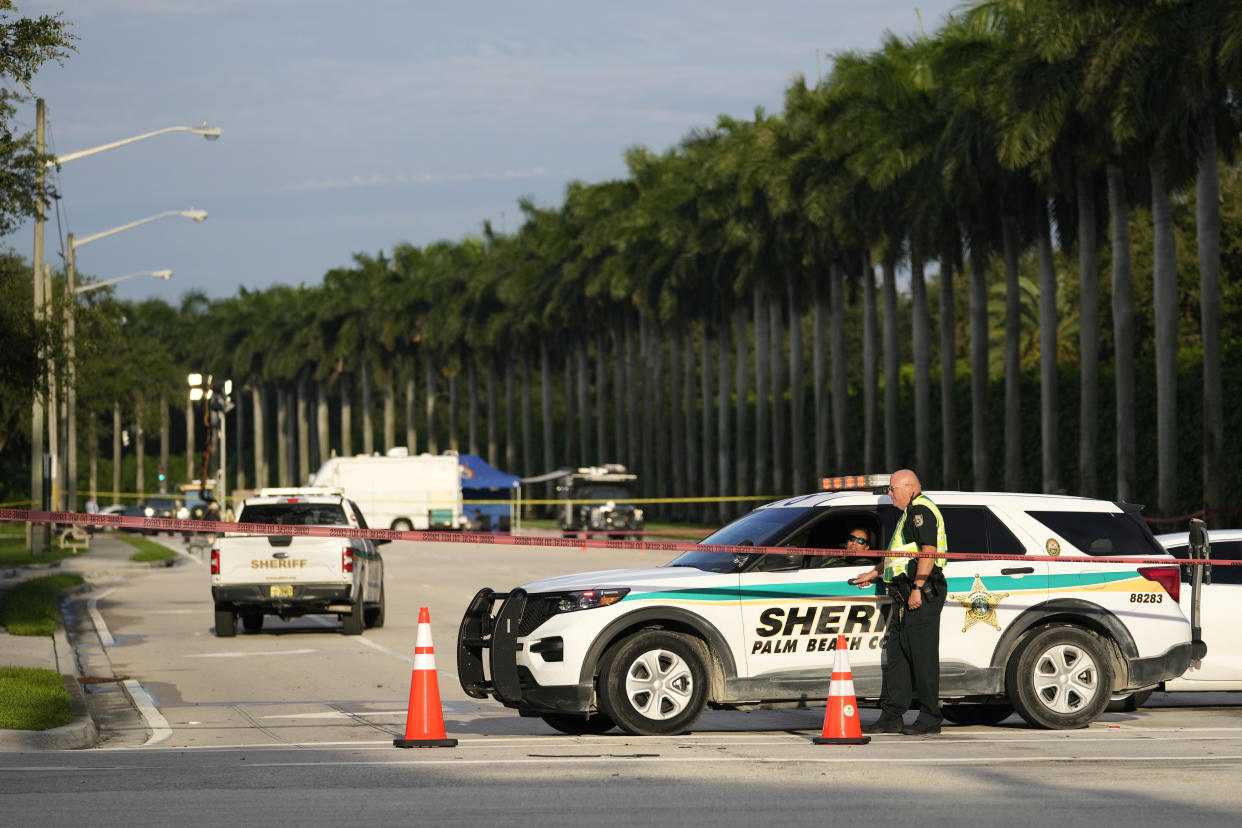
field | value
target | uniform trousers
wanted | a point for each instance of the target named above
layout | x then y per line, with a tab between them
912	652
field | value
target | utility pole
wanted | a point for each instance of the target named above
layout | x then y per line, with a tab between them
38	537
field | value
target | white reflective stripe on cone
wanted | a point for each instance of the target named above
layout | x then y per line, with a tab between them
425	661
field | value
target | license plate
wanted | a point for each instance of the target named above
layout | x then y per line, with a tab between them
281	590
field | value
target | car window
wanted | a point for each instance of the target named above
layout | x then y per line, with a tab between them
830	531
976	530
762	527
1221	551
295	514
1103	534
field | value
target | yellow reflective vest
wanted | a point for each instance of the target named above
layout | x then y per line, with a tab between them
893	566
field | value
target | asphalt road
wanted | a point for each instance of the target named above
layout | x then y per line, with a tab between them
294	726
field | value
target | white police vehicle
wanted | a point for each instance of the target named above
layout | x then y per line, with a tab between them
649	649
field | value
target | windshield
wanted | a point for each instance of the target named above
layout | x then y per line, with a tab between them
762	527
295	514
601	493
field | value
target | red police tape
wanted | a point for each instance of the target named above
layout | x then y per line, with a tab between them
490	538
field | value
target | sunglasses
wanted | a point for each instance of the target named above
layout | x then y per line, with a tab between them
892	489
855	539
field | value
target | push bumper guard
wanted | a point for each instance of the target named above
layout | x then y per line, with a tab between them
511	685
481	630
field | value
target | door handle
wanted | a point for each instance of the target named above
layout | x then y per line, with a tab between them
1018	570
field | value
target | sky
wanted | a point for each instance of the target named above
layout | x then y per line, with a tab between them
353	127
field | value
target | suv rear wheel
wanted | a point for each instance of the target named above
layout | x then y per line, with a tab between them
653	683
226	621
1060	678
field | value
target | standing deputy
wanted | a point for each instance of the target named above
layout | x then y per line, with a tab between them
917	588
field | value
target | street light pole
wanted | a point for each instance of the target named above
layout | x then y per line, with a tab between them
71	418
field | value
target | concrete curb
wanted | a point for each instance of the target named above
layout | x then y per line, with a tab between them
80	733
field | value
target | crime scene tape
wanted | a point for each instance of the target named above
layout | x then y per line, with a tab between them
220	527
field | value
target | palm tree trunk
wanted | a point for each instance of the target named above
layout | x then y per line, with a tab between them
601	396
545	407
892	368
411	409
1088	335
797	395
820	391
493	445
453	443
677	425
321	422
722	415
429	383
472	407
303	430
619	394
189	441
979	370
368	428
1047	353
705	415
584	408
260	446
1207	223
776	364
116	452
239	450
870	364
140	452
71	485
570	422
389	394
647	472
1013	356
282	437
763	435
921	334
510	414
659	430
1164	301
347	425
689	407
948	375
741	432
528	426
836	301
1123	330
633	395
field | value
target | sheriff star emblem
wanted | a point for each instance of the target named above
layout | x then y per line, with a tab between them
980	605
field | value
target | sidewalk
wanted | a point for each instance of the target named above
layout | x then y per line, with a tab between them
108	554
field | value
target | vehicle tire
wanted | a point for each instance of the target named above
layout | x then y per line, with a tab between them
1129	702
355	622
374	616
578	725
252	621
977	714
226	621
653	683
1061	677
402	525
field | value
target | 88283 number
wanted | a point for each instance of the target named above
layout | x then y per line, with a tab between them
1146	597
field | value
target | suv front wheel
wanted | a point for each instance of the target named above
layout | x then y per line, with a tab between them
1060	678
653	683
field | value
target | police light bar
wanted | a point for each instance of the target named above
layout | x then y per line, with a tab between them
854	482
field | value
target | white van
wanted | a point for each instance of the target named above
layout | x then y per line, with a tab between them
399	491
726	627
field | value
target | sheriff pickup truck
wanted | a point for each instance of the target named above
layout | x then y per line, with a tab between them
257	575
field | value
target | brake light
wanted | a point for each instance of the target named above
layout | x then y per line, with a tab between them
215	562
1169	577
347	559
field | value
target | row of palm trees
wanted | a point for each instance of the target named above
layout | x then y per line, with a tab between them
670	319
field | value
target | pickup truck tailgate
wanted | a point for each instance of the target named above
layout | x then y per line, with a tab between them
248	560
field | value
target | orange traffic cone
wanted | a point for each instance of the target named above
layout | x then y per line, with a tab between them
841	725
424	723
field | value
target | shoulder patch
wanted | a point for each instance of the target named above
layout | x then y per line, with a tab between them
918	519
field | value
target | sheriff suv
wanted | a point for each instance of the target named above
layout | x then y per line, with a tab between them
648	649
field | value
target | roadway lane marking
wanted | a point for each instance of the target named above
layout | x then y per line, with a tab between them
241	654
160	730
101	628
386	651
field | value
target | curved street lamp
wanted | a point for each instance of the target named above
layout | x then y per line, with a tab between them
209	132
158	274
71	396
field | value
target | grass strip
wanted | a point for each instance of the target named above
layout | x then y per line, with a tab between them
30	606
148	550
13	552
32	698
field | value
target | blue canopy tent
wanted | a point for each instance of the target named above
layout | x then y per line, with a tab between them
490	495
